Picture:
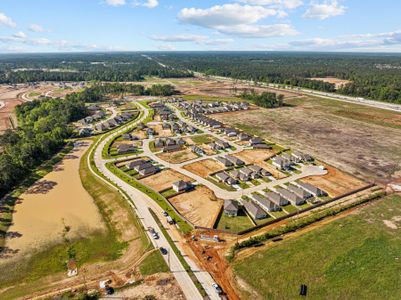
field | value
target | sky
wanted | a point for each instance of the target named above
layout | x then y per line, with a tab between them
188	25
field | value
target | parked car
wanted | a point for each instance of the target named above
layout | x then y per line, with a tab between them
217	288
155	236
165	213
163	250
170	220
151	230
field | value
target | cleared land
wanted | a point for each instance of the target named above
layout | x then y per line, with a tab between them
336	81
335	182
234	224
199	206
164	179
361	140
204	168
56	201
178	157
255	156
364	265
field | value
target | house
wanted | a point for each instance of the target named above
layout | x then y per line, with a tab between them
265	203
127	136
235	160
259	170
222	144
249	173
290	196
197	150
276	198
135	163
224	161
315	191
281	163
231	208
254	210
149	171
255	140
235	174
143	166
244	137
159	143
172	148
100	127
223	177
125	148
299	157
299	192
261	146
180	186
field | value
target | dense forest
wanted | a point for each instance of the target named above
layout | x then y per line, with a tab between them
374	76
82	67
43	126
265	99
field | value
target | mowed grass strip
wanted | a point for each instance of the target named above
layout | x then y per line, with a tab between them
357	257
153	263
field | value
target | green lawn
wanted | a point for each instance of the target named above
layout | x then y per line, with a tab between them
202	139
357	257
277	214
290	208
153	263
234	224
168	193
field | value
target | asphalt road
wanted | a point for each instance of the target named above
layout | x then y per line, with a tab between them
142	203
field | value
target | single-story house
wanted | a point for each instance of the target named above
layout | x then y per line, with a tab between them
276	198
299	192
135	163
180	186
290	196
315	191
281	163
254	210
224	161
125	148
235	160
231	208
149	171
265	203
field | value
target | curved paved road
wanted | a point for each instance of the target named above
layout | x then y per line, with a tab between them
142	203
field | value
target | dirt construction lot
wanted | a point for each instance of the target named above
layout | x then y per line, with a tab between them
178	157
204	168
361	140
200	206
164	179
255	156
335	182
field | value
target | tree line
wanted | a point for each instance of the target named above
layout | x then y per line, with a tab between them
43	126
374	76
265	99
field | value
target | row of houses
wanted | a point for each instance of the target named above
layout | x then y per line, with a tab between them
179	127
98	115
114	122
218	145
230	161
169	144
165	113
254	142
125	148
144	167
207	107
285	161
243	174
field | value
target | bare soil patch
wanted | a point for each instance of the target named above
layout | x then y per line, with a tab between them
199	206
336	81
204	168
178	157
164	179
361	140
255	156
335	182
55	201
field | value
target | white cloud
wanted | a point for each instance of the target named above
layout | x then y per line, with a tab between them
166	47
7	21
151	3
115	2
198	39
351	42
236	19
36	28
324	10
290	4
20	35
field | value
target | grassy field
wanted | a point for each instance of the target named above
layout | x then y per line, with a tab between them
201	139
153	263
210	98
357	257
234	224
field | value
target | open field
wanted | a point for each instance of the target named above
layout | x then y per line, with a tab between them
255	156
335	182
56	201
178	157
204	168
361	140
164	179
234	224
199	206
8	101
364	265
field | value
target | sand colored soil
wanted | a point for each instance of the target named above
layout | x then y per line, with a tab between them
8	101
276	173
199	206
336	81
178	157
255	156
57	200
162	132
162	286
205	167
164	179
335	182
